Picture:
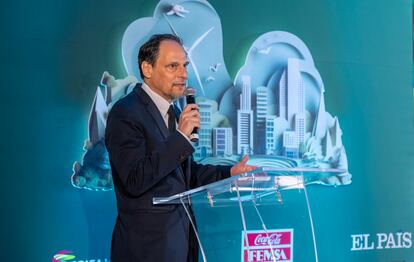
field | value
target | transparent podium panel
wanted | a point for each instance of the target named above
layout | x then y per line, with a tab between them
263	215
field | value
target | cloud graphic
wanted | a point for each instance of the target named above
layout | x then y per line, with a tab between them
277	63
201	32
266	69
94	172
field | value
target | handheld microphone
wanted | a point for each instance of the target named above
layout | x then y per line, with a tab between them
190	99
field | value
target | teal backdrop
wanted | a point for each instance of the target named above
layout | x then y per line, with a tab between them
53	54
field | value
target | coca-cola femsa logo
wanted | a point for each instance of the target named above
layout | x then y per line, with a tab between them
273	245
264	239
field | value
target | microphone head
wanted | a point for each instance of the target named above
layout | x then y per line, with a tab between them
189	91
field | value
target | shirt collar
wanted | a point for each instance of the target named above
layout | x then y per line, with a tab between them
162	104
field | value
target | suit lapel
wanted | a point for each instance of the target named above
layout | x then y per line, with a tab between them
156	115
152	110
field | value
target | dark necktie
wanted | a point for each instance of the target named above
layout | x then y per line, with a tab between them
173	116
171	119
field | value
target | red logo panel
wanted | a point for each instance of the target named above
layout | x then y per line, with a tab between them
273	245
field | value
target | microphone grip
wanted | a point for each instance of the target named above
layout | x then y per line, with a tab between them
190	98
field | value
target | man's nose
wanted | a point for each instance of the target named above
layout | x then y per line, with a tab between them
182	72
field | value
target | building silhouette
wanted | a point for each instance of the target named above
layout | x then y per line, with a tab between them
292	106
290	144
271	135
261	112
222	141
245	119
203	149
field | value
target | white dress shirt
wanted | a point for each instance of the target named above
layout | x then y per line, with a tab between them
162	104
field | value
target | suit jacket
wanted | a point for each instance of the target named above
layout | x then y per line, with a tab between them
147	161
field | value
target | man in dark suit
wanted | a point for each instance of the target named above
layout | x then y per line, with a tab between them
149	154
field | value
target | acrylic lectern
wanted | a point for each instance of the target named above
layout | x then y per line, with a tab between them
252	216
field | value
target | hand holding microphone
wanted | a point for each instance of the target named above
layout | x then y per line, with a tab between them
190	117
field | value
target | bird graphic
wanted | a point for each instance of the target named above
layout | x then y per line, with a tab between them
178	10
209	79
264	51
215	67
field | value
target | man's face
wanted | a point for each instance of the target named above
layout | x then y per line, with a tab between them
168	76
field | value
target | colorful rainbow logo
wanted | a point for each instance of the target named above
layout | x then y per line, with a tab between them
63	255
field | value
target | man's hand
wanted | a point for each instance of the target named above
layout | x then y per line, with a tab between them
189	119
242	167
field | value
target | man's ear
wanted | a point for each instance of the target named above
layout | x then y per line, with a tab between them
146	69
